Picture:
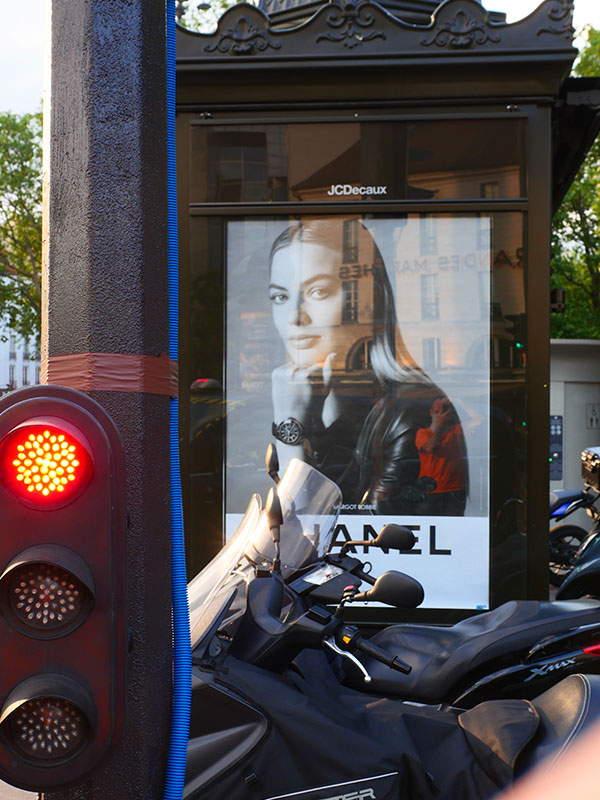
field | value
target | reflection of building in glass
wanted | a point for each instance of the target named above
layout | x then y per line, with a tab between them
350	246
430	300
428	230
349	301
470	295
246	163
490	189
431	353
316	162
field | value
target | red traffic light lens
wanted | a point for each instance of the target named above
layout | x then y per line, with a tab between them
48	729
44	464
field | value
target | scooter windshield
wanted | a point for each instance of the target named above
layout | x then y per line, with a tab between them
310	505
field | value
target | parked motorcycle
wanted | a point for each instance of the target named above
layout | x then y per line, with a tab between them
570	544
270	716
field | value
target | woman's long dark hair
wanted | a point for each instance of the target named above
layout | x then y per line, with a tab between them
390	358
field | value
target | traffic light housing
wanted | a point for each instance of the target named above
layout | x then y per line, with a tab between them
63	632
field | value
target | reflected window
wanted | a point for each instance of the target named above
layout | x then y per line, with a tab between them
349	301
350	253
483	232
484	294
490	189
428	229
431	353
430	304
359	357
25	376
237	166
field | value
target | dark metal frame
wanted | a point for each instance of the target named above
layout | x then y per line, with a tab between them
357	61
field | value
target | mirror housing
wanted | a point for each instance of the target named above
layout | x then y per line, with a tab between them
272	462
395	537
394	589
274	514
390	537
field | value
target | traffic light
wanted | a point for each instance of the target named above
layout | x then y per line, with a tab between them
63	634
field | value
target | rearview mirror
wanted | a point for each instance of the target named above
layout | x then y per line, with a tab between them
272	462
394	589
395	537
390	537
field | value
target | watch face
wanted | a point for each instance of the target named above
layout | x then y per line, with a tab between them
290	431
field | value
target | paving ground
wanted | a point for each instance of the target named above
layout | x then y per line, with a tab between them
10	793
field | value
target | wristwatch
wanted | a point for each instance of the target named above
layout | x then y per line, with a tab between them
290	431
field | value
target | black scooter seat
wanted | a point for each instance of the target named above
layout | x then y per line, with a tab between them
507	741
444	658
564	711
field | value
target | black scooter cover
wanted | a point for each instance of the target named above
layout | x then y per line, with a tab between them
329	742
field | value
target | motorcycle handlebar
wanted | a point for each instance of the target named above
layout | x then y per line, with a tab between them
364	576
379	654
349	639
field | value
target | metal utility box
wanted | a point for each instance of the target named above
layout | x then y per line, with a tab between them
365	196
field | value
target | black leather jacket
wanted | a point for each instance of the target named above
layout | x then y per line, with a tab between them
374	458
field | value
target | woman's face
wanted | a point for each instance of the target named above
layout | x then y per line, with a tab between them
306	298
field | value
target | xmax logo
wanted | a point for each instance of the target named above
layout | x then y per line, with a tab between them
362	794
537	672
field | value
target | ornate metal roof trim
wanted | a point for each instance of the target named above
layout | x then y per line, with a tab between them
343	28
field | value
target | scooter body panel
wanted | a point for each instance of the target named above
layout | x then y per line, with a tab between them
528	680
583	580
224	729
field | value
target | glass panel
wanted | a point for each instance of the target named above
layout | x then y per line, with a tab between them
340	381
389	160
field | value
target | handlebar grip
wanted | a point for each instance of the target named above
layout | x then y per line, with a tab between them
379	654
364	576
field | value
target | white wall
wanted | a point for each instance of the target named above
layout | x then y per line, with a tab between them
19	363
575	395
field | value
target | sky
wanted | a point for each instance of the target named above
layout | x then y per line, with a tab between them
22	45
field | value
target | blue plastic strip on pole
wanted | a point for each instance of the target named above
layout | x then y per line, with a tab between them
182	657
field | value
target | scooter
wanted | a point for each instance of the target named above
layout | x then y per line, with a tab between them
270	717
570	544
517	650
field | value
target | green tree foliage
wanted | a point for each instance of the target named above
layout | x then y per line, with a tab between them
576	232
203	16
20	222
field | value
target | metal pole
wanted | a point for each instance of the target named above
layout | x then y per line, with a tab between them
105	291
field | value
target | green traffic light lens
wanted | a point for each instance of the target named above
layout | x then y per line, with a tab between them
48	719
48	729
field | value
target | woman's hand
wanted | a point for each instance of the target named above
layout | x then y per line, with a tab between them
304	394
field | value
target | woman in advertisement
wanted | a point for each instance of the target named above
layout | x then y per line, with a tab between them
349	399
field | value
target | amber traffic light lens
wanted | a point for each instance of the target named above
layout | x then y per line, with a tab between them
48	729
46	600
45	465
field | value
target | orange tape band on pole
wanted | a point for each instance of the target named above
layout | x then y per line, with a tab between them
113	372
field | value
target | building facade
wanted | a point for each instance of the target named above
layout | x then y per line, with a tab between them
19	362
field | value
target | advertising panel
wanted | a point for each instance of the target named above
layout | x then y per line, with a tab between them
360	344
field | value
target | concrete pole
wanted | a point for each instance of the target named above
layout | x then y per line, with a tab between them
105	291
